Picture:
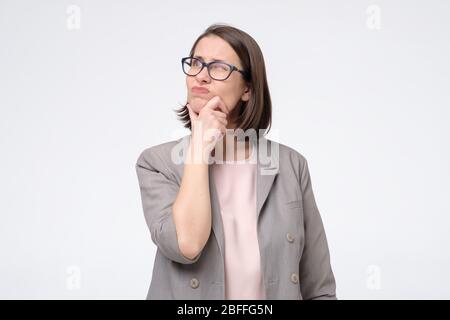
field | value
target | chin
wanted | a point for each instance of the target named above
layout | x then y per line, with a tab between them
198	103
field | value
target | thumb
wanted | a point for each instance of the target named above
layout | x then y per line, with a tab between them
192	113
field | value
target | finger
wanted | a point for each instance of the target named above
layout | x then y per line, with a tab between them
223	130
222	121
219	114
217	103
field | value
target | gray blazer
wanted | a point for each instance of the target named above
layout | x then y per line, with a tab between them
295	259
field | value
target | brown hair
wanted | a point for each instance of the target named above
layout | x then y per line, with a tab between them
255	113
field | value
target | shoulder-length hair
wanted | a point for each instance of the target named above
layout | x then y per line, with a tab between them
256	113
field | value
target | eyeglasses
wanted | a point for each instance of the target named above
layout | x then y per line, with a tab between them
217	70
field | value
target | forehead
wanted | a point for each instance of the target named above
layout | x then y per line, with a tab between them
215	48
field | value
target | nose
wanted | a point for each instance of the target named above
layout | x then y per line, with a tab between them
203	76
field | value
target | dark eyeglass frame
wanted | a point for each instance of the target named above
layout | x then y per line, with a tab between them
204	64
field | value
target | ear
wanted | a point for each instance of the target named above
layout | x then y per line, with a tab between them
246	94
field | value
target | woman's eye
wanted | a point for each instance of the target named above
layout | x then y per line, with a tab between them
220	66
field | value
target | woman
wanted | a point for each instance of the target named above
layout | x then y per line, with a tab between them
246	227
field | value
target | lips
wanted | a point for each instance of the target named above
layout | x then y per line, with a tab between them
200	90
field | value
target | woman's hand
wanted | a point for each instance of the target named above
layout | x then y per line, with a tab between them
211	123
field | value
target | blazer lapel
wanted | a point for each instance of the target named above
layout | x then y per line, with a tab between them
265	174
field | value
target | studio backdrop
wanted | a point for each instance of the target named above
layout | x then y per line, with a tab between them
360	88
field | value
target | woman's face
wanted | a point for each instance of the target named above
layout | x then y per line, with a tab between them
231	90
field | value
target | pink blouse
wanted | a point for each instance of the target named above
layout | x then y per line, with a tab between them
236	191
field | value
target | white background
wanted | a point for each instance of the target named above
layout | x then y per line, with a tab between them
368	107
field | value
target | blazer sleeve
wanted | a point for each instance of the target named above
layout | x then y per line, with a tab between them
158	193
316	276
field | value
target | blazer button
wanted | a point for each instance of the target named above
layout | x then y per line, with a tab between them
194	283
294	278
289	237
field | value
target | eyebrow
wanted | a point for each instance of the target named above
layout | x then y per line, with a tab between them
218	60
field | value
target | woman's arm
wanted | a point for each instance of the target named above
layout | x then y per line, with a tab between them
158	193
192	207
316	276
